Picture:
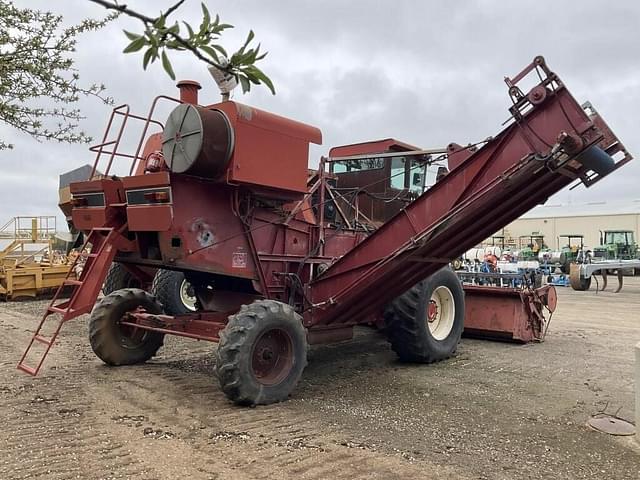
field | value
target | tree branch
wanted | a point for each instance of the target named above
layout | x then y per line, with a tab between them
150	21
173	8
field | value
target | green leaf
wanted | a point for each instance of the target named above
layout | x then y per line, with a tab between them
259	74
206	20
252	78
147	57
212	53
131	36
167	65
189	29
151	37
136	45
220	49
159	23
175	29
249	38
246	86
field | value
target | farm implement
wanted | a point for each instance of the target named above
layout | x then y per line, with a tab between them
280	257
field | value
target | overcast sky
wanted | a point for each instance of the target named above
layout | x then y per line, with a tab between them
425	72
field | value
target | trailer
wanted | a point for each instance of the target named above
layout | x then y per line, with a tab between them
222	194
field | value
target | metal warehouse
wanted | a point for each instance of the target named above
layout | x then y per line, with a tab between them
588	219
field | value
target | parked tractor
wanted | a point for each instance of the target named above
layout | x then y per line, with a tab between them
616	245
572	251
280	258
531	247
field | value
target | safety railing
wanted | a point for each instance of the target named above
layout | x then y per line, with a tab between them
110	146
29	228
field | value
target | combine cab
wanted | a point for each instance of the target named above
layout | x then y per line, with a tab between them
279	259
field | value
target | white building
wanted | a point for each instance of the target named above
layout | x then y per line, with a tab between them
588	219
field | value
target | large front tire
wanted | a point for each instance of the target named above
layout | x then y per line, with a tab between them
424	324
262	353
117	344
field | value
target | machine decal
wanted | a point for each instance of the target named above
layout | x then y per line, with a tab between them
239	260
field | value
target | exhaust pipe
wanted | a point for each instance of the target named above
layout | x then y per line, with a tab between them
188	91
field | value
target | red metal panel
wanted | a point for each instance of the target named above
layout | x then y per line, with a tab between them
87	217
84	219
212	236
499	313
149	218
270	151
158	179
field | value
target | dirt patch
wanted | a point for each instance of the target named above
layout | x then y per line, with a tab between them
495	411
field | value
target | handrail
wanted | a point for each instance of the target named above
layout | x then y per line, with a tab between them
124	111
14	228
146	126
106	134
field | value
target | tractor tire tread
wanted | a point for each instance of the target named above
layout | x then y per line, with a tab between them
118	277
404	331
166	288
103	329
233	352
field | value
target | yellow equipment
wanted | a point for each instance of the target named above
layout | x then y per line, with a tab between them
28	262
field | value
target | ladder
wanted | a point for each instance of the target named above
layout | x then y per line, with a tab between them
84	292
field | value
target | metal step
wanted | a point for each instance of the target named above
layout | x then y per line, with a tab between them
41	339
55	309
30	370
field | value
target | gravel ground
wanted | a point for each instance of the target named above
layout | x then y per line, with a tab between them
495	411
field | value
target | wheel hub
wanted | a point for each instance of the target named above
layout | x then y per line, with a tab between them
441	312
272	357
131	337
188	296
432	311
266	355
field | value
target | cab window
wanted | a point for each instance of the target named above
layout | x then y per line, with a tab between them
346	166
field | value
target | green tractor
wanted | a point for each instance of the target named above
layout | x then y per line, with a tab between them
573	250
616	245
531	246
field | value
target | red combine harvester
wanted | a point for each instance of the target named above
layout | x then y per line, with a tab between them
280	257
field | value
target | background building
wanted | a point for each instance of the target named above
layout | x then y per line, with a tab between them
587	219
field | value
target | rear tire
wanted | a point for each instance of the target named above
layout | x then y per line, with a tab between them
262	353
174	292
118	278
424	324
117	344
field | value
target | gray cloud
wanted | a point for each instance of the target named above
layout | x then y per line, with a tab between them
427	73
